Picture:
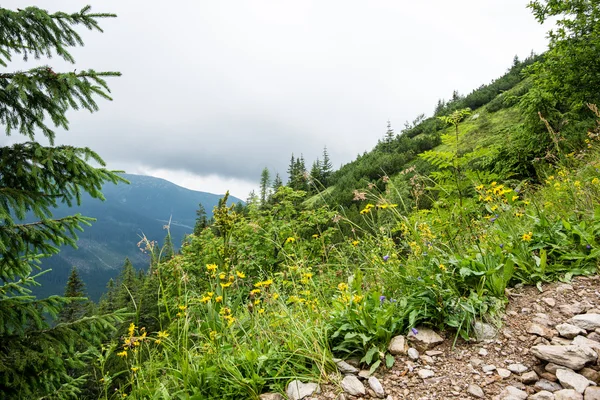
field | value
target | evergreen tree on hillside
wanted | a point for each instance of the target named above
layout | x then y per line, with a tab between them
36	359
201	219
127	287
277	183
265	182
326	168
75	291
388	140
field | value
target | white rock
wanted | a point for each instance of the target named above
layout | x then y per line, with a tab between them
376	387
592	393
569	379
549	301
352	385
297	390
583	341
483	352
484	331
511	392
413	354
569	331
503	373
344	367
543	395
398	345
517	368
539	330
544	384
488	368
567	394
529	377
425	373
572	356
475	391
424	339
588	322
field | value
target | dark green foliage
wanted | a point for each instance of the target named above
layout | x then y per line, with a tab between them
36	359
75	291
201	220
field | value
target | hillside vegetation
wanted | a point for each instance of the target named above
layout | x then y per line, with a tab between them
428	229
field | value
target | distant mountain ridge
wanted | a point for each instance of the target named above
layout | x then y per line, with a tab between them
141	208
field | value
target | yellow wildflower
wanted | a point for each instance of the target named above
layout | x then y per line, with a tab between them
211	267
254	291
595	181
131	329
219	299
135	369
480	187
122	353
182	308
163	334
515	198
443	267
315	236
213	335
342	286
261	311
222	275
290	240
240	275
527	237
256	302
275	296
355	243
225	285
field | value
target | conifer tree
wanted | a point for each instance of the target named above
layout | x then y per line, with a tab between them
127	286
36	359
201	219
326	168
265	182
277	183
75	291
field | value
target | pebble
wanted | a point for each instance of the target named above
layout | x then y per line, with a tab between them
413	354
475	391
425	373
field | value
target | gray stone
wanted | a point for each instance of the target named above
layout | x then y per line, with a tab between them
592	393
398	345
544	384
483	352
484	331
569	331
549	301
476	362
433	353
570	379
271	396
560	341
413	354
567	394
375	385
344	367
583	341
424	339
364	374
475	391
297	390
488	368
352	385
517	368
529	377
543	395
572	356
503	373
426	359
425	373
511	392
571	309
589	322
539	330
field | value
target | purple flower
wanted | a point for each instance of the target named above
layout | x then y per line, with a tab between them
382	298
587	246
493	219
501	245
386	257
414	331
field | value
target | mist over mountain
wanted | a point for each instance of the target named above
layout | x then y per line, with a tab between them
144	207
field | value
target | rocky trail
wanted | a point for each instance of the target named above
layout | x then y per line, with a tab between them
547	348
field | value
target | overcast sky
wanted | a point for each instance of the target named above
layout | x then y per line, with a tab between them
214	91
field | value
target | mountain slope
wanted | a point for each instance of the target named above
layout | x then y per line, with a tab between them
141	208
